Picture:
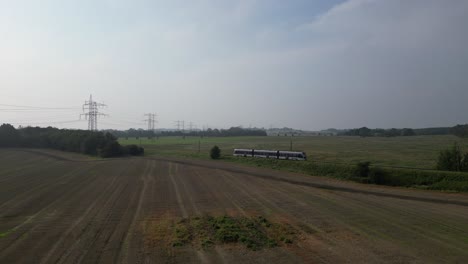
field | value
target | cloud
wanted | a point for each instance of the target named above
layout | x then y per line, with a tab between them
362	62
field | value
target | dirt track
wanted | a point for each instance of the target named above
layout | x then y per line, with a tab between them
57	208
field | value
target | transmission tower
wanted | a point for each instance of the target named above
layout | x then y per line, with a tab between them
151	121
180	124
190	126
93	112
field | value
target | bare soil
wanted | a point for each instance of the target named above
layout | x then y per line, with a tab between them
62	208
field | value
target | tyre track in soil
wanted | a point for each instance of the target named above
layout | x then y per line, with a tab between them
282	195
268	174
206	200
126	255
116	217
263	201
20	179
59	249
425	232
327	228
34	228
71	198
71	221
278	208
87	229
35	186
332	232
23	166
188	194
223	201
99	212
366	215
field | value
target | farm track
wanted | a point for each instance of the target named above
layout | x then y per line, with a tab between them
60	208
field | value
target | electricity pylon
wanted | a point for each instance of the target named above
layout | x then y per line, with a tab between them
151	121
93	112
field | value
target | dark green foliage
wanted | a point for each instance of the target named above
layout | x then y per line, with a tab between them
432	131
464	165
362	169
452	159
9	136
215	152
92	143
255	232
460	130
231	132
111	149
364	132
82	141
378	132
134	150
407	132
424	179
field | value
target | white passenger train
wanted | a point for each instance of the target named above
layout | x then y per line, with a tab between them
272	154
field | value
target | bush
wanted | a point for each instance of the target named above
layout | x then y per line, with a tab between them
362	169
134	150
111	149
378	176
9	136
215	152
452	159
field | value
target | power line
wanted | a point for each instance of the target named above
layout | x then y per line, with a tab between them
93	113
179	124
190	126
39	107
151	121
40	123
128	122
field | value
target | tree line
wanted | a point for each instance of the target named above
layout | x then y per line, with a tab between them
73	140
231	132
458	130
378	132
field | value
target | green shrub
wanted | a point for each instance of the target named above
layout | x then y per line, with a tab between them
362	169
453	159
111	149
134	150
215	152
364	173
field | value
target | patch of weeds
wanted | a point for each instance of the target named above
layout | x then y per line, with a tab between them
206	243
254	233
6	233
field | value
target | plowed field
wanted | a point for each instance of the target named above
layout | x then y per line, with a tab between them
62	208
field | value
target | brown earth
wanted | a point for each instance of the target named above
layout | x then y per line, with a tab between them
62	208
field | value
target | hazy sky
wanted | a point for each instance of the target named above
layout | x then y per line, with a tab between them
303	64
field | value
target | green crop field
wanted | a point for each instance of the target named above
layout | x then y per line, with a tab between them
417	151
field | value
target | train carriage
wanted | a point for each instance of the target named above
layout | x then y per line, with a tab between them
272	154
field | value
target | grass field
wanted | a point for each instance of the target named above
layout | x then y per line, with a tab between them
398	161
418	151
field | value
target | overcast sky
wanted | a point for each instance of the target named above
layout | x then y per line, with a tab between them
302	64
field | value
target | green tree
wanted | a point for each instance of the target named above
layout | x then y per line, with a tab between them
9	136
451	159
111	149
407	132
364	132
362	169
464	166
460	130
215	152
